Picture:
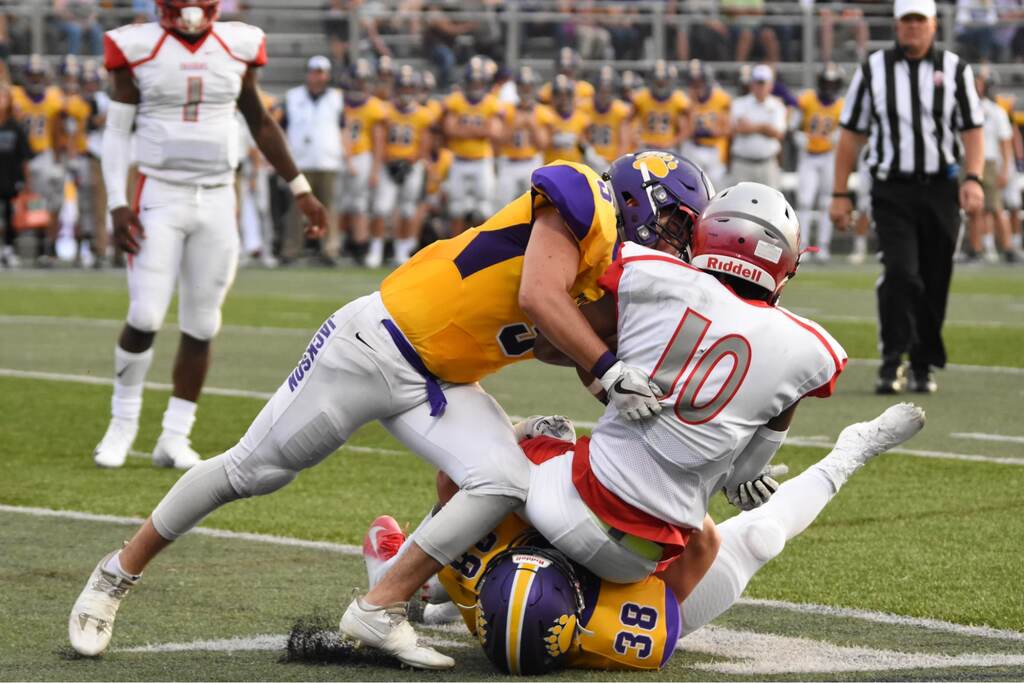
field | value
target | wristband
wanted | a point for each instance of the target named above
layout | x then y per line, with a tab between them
842	195
299	185
975	178
595	387
606	361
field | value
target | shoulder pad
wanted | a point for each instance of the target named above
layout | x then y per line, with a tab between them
124	46
571	191
244	42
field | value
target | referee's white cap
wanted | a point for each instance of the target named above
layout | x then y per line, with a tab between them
925	8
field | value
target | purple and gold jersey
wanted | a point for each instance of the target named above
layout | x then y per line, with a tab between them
626	627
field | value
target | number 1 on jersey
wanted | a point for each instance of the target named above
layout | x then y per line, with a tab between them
679	355
193	96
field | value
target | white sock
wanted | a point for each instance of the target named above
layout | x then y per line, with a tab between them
988	243
1015	241
403	248
129	374
751	539
824	231
376	250
179	417
113	566
860	244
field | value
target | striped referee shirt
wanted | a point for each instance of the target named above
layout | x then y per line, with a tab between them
910	111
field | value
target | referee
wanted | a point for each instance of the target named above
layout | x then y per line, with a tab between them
907	103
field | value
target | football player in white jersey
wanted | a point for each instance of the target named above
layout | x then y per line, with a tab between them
178	82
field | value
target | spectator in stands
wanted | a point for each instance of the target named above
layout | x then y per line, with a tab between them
439	39
143	11
5	40
80	19
743	18
314	120
1010	34
338	13
594	41
699	35
848	20
976	29
565	31
627	41
487	33
14	156
758	125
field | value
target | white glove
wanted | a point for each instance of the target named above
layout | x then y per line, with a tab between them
756	492
631	391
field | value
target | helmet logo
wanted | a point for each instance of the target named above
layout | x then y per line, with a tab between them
658	163
561	635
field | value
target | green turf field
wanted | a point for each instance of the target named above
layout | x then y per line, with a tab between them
913	572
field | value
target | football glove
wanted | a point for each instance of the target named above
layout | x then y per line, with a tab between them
756	492
631	391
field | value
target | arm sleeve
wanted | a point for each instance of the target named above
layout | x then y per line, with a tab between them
968	104
117	152
755	456
857	104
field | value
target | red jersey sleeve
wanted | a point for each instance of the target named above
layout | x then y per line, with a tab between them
113	57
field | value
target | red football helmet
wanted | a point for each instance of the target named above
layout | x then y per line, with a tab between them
751	232
190	17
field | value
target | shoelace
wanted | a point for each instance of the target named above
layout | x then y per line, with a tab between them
388	545
112	586
397	613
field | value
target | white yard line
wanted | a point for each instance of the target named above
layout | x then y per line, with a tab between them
585	424
810	608
982	436
266	642
760	654
297	332
817	442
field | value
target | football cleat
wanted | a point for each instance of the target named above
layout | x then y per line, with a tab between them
381	543
922	382
113	448
91	623
173	450
862	441
891	380
555	426
388	630
441	614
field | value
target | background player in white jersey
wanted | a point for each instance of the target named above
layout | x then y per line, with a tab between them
816	129
729	364
178	82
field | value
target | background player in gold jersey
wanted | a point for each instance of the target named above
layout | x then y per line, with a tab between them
39	107
366	131
523	137
661	110
709	114
568	64
401	184
610	130
567	123
472	124
816	129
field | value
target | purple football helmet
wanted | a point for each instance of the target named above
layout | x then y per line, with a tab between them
528	610
652	185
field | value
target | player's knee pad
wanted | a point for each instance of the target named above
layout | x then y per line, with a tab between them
764	538
202	323
145	316
198	492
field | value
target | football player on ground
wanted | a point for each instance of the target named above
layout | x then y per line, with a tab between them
710	111
817	128
472	124
401	185
710	336
411	356
366	127
661	110
178	82
524	135
39	106
567	127
610	132
534	611
568	64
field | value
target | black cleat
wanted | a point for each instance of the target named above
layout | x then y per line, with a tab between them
891	380
922	382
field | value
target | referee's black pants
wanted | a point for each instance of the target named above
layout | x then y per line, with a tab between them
917	225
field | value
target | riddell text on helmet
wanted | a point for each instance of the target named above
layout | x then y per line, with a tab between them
732	266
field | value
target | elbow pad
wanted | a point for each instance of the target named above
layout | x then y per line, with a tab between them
759	451
117	138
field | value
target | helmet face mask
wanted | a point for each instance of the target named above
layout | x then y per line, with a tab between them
658	196
830	82
188	17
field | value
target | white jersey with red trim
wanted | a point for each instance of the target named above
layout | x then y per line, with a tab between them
186	128
726	367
